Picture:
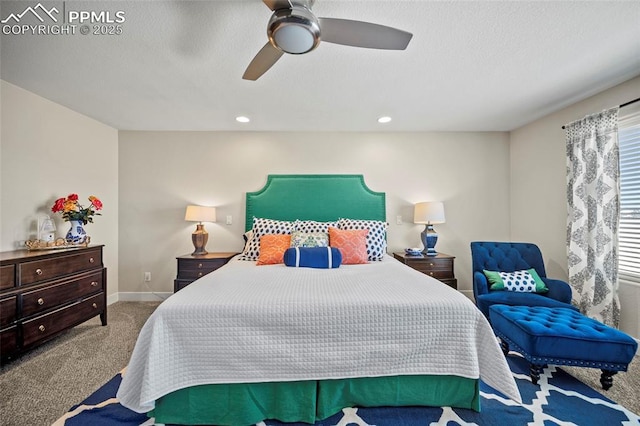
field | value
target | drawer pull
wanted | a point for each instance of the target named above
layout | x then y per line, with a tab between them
41	328
199	274
91	260
39	271
431	273
41	301
199	265
94	283
431	264
95	306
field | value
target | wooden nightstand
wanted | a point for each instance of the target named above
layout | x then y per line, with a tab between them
190	268
439	267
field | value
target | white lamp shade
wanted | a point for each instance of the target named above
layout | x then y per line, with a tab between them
200	214
429	212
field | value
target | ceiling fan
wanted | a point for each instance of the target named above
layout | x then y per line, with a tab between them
294	29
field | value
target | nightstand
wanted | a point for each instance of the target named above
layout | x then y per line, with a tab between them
439	267
190	268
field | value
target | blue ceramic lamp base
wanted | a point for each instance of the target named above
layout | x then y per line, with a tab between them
429	239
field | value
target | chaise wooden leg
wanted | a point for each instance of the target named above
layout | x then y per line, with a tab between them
606	379
534	372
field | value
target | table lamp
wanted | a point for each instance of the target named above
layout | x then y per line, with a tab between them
429	213
200	236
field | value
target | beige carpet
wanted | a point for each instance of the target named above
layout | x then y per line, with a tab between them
42	385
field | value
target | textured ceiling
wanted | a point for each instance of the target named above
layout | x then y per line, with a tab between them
471	65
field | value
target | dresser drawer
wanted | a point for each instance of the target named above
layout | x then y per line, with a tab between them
436	264
51	296
8	341
194	274
8	311
435	273
7	276
47	325
42	270
193	269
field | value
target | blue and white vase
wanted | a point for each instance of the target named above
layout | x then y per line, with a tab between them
76	234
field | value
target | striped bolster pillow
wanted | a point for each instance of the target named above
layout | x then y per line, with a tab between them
313	257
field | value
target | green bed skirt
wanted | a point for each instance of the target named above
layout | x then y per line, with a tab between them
309	401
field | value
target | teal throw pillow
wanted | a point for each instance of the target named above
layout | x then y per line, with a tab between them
520	281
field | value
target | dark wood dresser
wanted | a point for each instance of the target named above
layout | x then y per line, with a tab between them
43	293
439	267
190	267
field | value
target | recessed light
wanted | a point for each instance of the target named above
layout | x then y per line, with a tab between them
242	119
384	119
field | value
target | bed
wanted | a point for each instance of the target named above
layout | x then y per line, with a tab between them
248	343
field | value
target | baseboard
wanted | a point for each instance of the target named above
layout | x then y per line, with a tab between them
468	293
125	296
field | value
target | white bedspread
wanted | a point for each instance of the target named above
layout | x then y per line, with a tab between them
246	323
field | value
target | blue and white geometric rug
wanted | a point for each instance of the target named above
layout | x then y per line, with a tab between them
559	399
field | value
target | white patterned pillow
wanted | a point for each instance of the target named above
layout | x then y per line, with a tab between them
309	239
376	238
525	281
262	227
521	281
313	226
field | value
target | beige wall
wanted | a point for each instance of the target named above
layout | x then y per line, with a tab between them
538	188
497	186
162	172
47	152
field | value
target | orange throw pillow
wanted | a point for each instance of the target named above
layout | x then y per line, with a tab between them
352	243
272	248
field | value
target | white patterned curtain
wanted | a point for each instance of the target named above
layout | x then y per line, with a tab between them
593	191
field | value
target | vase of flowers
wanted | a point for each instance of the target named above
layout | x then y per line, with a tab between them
76	234
77	215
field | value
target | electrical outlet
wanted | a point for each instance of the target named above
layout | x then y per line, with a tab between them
398	220
147	276
229	220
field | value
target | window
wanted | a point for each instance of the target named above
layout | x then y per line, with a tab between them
629	231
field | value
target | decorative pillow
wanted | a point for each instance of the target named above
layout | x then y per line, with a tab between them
376	239
313	226
262	227
313	257
247	236
524	281
352	244
272	248
309	239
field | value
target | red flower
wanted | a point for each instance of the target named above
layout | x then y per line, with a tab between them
96	202
58	206
72	210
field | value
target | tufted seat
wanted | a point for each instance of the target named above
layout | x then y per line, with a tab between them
509	257
562	336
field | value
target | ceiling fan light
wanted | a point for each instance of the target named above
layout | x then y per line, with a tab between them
294	38
294	30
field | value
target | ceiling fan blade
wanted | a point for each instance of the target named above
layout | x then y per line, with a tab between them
363	34
266	57
277	4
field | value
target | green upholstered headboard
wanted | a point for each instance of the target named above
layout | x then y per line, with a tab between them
322	198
